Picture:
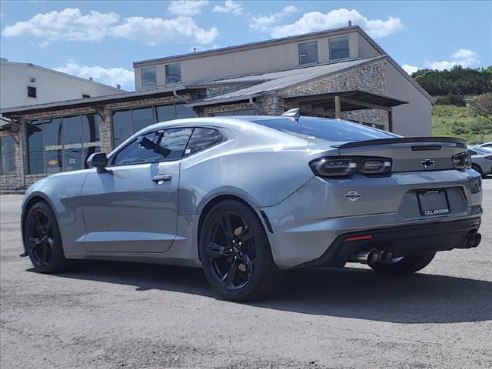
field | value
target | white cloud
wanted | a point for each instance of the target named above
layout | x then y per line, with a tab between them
187	7
68	25
410	69
71	25
230	7
464	57
264	23
157	30
316	21
108	76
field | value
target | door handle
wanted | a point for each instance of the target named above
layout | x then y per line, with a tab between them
161	178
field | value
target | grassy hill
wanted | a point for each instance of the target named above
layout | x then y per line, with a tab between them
458	121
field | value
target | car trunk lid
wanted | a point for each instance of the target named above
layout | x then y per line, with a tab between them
409	153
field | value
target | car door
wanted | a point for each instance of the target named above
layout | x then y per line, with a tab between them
133	205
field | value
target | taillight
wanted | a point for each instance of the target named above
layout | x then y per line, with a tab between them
462	161
345	166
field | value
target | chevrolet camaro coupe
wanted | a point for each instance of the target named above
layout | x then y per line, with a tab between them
245	198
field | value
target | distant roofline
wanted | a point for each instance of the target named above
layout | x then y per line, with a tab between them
79	103
252	45
6	61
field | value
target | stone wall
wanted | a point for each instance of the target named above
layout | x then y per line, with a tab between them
12	182
370	78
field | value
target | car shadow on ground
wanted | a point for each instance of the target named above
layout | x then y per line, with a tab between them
350	292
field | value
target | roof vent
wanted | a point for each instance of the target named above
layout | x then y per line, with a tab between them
293	113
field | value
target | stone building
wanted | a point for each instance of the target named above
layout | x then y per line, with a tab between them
340	73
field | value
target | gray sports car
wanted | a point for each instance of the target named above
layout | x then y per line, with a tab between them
247	197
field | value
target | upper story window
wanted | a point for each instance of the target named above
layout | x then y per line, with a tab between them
149	76
31	91
308	52
339	47
173	73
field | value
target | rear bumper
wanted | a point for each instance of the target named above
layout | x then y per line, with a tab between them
403	241
309	222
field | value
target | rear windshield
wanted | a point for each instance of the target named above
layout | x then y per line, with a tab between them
326	129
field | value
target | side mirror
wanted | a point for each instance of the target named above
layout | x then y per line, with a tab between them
98	160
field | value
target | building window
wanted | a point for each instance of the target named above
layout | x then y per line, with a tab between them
127	122
149	76
62	144
142	118
339	48
31	91
35	147
7	157
173	73
122	126
308	52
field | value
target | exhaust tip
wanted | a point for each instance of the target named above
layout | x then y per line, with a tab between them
373	256
386	256
471	240
478	239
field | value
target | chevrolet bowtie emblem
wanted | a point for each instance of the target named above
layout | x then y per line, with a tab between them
426	163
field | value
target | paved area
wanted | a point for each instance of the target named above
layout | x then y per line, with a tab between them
119	315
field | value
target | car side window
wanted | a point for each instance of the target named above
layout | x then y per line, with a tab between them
163	145
202	139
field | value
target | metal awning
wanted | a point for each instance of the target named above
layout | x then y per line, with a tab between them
349	100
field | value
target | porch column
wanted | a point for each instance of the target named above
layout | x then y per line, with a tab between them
338	107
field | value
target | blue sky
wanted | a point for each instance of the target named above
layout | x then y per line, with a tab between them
101	39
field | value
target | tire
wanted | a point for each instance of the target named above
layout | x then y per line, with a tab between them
42	240
235	253
404	266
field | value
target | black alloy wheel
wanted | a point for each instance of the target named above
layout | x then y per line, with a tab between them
42	239
235	253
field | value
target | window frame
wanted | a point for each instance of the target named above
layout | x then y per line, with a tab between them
32	92
330	40
166	75
142	80
308	62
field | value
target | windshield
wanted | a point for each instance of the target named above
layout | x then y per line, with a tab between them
326	129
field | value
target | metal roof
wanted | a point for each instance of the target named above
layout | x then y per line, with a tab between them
278	80
93	101
328	100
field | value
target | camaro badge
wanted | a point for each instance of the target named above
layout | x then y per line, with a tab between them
352	195
426	163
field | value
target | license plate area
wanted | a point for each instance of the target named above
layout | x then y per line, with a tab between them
433	202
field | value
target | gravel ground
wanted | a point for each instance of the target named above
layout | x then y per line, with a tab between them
120	315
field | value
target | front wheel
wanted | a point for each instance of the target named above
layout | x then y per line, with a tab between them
42	240
405	265
235	253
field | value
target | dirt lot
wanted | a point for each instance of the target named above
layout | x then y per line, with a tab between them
110	315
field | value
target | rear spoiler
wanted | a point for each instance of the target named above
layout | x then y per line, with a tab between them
433	141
